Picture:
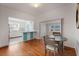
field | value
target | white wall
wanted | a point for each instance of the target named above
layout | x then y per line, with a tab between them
4	29
68	13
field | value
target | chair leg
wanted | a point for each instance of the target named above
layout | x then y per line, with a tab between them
58	51
49	53
54	51
45	52
63	50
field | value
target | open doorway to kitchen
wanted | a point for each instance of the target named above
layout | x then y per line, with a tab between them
16	29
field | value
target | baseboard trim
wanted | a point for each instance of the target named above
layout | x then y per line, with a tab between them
4	46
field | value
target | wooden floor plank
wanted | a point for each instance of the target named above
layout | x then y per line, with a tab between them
31	48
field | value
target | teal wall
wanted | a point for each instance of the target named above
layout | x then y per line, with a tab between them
28	35
24	36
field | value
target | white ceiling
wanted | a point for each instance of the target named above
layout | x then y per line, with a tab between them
27	8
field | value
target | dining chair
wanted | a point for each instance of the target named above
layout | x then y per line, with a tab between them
50	45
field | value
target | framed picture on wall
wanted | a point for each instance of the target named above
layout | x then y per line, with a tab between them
77	15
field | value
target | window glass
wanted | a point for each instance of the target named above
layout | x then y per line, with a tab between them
20	25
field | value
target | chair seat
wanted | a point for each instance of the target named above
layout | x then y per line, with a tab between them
51	36
50	47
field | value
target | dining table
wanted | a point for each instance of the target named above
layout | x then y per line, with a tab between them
60	41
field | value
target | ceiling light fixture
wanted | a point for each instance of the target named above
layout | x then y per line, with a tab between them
36	5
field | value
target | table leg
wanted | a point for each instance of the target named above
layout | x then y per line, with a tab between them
60	49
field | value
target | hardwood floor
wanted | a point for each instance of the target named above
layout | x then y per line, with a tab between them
30	48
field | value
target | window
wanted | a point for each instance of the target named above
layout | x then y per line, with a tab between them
20	25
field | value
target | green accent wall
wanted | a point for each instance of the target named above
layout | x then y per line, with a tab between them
25	36
31	35
28	35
